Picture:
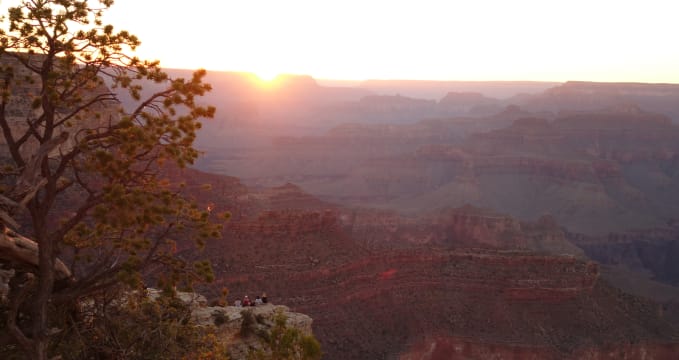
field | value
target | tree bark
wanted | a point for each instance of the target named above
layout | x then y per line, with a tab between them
44	290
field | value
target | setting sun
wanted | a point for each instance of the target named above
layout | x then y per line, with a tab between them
266	76
436	40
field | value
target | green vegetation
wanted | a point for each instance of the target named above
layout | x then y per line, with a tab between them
137	327
87	177
247	326
285	343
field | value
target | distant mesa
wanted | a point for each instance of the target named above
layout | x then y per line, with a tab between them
295	81
466	99
621	116
623	87
433	89
530	123
593	96
394	102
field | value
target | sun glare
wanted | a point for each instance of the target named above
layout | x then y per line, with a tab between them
266	80
537	33
267	76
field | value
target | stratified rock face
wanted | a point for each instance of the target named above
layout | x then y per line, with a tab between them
397	109
450	348
469	103
378	306
587	96
379	284
438	89
546	236
595	172
463	227
393	103
649	251
271	217
604	134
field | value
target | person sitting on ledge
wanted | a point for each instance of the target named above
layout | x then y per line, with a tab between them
258	300
237	303
246	301
264	298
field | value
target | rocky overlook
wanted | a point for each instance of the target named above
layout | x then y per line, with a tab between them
229	322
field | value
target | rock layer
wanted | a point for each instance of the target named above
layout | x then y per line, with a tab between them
383	300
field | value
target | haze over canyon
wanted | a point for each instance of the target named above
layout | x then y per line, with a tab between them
436	220
163	195
445	220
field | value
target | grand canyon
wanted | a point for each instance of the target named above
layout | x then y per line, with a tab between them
539	225
385	219
421	181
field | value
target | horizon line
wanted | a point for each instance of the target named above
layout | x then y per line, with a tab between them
323	78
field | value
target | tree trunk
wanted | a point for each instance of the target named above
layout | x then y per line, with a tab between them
39	211
44	291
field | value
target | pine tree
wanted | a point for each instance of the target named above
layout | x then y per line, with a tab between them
86	173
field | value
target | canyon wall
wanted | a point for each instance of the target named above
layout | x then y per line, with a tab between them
463	273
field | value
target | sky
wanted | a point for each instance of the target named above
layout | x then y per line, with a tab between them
543	40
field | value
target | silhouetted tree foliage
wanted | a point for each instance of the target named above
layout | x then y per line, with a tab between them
101	201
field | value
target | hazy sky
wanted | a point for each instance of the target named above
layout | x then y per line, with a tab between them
602	40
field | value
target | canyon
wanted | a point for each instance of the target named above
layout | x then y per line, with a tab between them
524	193
464	226
484	222
383	285
595	172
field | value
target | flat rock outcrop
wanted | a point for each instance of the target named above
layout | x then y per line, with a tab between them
228	322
